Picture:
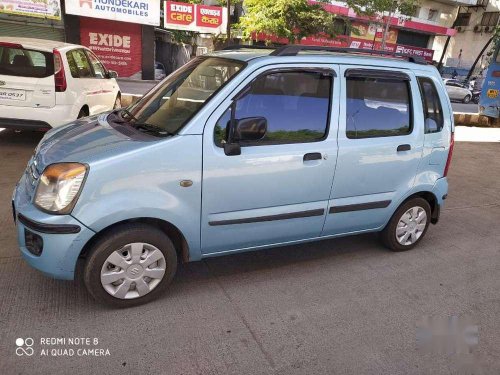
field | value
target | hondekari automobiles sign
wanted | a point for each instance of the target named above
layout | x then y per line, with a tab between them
146	12
33	8
195	17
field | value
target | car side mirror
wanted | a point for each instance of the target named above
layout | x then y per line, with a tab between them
112	74
232	149
250	129
245	129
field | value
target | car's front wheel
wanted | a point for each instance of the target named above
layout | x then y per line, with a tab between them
466	99
408	225
131	265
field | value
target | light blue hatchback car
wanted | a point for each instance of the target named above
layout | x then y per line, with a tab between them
243	149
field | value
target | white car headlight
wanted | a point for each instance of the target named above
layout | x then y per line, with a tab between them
59	187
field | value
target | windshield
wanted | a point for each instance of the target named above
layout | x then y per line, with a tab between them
168	106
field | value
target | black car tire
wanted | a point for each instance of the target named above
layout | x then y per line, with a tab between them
116	239
388	235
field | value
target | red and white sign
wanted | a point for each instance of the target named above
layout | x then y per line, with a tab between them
350	42
179	16
118	45
195	17
426	53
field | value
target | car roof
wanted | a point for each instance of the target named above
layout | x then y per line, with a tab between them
38	44
355	58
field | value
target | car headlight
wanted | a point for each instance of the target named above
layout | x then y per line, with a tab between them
59	186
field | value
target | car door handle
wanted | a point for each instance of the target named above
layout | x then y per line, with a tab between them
404	148
312	156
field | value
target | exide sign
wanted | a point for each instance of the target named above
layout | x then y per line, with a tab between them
195	17
117	44
179	13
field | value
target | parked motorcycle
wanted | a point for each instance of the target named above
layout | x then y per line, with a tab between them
475	96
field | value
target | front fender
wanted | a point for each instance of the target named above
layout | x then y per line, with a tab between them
146	183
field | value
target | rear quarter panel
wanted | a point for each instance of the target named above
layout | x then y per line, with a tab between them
436	145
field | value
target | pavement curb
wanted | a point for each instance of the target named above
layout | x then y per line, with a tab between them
474	119
128	99
136	80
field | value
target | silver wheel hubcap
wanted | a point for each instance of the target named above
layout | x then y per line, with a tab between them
133	271
411	226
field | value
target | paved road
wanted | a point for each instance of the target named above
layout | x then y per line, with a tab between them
465	108
135	87
343	306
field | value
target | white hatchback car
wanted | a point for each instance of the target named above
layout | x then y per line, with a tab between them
44	84
457	91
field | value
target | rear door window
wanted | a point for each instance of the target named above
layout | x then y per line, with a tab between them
377	106
81	65
99	70
23	62
433	112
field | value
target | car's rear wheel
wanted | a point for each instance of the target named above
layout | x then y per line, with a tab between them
83	113
467	99
131	265
118	102
408	225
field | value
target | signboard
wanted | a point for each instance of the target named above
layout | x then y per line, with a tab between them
118	45
145	12
195	17
179	16
32	8
426	53
373	32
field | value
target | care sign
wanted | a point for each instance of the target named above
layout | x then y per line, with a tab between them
195	17
118	45
145	12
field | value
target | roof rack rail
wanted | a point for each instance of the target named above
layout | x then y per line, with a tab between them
244	46
294	49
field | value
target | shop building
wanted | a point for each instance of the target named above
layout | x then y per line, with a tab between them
26	18
409	35
475	24
121	33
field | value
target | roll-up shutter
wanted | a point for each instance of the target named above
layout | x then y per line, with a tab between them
19	30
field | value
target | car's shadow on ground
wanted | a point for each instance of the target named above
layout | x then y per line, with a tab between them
255	265
20	138
196	276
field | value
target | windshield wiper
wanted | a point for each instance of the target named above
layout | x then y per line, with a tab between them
151	128
128	113
118	118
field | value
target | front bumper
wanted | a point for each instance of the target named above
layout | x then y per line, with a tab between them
63	236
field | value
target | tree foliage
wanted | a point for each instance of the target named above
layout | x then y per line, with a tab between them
290	19
379	7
